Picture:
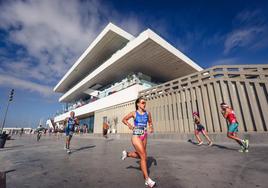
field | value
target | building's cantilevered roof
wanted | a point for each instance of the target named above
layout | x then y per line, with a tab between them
110	40
148	53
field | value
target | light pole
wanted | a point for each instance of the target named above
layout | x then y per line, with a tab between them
9	100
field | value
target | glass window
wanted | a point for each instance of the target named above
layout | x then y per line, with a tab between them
88	122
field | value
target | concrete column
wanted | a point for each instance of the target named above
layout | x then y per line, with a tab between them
241	89
171	113
221	126
178	96
235	104
206	108
185	121
213	107
200	105
175	111
253	104
167	114
162	114
263	103
189	111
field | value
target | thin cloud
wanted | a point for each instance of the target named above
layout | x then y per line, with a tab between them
49	31
242	38
10	81
249	32
51	35
190	38
226	61
247	17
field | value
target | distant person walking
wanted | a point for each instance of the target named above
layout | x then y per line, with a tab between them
39	132
105	128
21	131
229	115
70	123
200	129
142	118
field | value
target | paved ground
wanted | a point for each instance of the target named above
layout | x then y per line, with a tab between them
95	162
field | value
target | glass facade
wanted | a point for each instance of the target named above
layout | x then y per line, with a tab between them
89	122
130	80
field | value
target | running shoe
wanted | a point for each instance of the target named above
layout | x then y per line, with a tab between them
149	182
246	143
210	144
242	149
65	148
124	155
68	151
200	143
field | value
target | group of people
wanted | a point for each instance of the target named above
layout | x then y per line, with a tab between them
143	124
229	115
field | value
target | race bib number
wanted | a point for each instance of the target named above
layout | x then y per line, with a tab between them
138	131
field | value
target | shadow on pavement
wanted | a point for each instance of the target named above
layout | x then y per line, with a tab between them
223	147
83	148
10	147
192	142
16	146
214	145
7	171
109	139
150	161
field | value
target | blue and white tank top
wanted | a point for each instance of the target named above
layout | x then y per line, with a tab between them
141	120
70	124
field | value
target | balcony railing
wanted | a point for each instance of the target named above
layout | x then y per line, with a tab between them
118	86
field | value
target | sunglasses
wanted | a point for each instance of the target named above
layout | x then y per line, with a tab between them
143	102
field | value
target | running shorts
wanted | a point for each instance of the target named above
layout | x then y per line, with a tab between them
200	128
233	127
69	133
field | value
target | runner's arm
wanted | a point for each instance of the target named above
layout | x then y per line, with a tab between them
126	118
197	120
150	122
76	121
225	113
65	123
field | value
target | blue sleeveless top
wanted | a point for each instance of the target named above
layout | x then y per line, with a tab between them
70	124
141	120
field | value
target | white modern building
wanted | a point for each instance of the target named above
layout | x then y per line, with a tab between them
104	82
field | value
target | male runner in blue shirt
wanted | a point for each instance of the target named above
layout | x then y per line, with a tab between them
70	123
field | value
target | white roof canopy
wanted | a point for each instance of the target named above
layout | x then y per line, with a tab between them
148	53
110	40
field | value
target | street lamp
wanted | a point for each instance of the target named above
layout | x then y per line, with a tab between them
10	99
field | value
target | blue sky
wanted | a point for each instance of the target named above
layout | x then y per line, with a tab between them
40	40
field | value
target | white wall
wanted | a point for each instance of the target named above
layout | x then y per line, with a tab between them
117	111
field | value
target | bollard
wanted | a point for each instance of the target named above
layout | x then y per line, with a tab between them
2	179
